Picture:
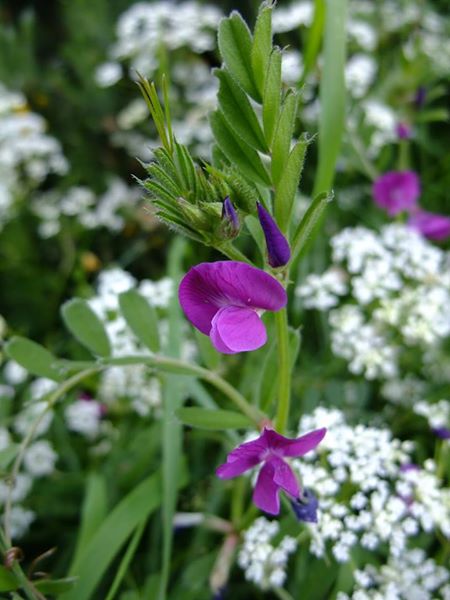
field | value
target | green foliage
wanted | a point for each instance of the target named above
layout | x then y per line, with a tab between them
235	45
141	318
212	419
85	325
33	357
8	581
262	46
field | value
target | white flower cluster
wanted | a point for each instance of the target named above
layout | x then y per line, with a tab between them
400	290
131	382
146	26
360	72
287	18
81	203
370	493
437	414
263	562
409	576
39	459
27	153
84	417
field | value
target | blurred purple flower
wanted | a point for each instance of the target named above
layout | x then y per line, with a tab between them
230	216
420	97
278	250
403	131
442	432
275	474
225	299
305	507
397	191
431	225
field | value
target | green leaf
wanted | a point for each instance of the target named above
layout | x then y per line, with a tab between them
7	455
235	46
289	182
262	45
272	95
314	38
141	318
8	581
104	546
283	136
85	325
332	94
125	562
173	395
55	586
33	357
213	419
310	223
237	151
238	111
93	512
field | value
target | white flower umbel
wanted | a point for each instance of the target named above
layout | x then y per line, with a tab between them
391	499
292	16
83	416
27	153
437	414
360	73
264	563
410	575
30	414
40	458
399	294
20	520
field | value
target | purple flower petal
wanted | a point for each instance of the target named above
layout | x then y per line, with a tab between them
265	494
237	329
403	131
278	251
242	458
431	225
397	191
284	476
294	447
208	287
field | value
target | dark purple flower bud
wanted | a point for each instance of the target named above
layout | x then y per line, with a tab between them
230	215
305	507
403	131
420	97
441	432
431	225
278	250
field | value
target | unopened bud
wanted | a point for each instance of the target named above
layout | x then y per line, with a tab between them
278	251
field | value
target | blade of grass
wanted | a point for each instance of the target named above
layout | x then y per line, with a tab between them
172	428
332	94
125	562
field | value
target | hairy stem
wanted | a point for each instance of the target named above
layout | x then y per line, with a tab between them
284	371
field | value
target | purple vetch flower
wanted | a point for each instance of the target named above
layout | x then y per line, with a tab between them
431	225
225	299
420	97
397	191
270	449
441	432
305	507
403	131
230	216
278	251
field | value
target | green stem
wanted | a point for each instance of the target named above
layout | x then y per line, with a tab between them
52	399
30	591
284	371
233	253
184	368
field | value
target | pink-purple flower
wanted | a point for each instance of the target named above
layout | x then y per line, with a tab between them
271	449
431	225
397	191
225	300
